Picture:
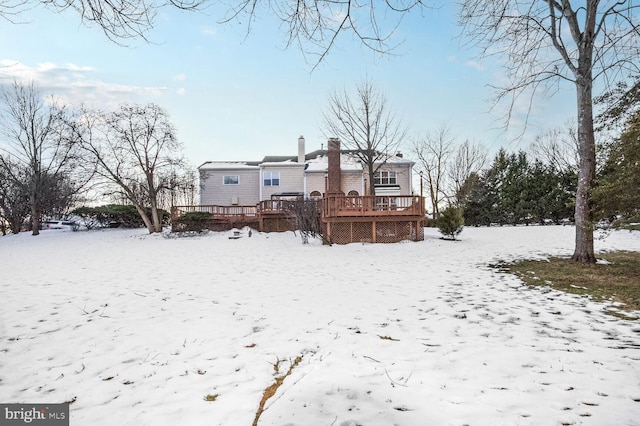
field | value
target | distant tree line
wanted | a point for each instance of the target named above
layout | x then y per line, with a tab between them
516	190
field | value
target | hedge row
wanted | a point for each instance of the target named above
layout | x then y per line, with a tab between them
114	216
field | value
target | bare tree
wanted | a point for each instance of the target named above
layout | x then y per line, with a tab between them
119	20
136	151
315	25
14	195
304	215
365	125
181	188
558	147
40	154
546	42
470	158
433	152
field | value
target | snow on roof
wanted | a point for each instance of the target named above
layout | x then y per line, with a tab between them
394	159
347	163
286	163
229	165
316	162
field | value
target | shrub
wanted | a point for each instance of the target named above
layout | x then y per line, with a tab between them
450	222
192	221
116	215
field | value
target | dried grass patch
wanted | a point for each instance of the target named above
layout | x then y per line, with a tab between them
616	277
273	388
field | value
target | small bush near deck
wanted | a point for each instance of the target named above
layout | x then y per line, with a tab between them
451	222
192	221
194	216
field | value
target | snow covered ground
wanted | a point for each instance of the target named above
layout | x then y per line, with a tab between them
139	329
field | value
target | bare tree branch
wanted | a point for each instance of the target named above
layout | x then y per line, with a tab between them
316	25
433	152
118	19
365	125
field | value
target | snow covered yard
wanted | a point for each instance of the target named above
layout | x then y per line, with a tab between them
139	329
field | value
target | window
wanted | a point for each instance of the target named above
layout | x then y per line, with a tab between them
271	178
385	178
386	203
353	193
315	194
231	180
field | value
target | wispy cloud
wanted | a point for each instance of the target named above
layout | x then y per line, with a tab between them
208	31
475	65
76	84
180	77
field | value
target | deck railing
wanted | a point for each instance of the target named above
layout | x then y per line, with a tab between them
401	205
215	211
332	206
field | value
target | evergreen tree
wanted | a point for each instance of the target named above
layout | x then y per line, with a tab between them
515	191
616	194
470	197
492	206
451	222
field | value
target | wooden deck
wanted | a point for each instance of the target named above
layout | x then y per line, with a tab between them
344	218
375	219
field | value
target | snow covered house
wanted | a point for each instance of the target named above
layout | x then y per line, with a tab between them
246	183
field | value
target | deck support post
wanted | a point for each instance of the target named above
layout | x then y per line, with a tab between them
373	231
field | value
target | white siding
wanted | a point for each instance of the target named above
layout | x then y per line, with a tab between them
403	176
315	182
351	181
214	192
291	180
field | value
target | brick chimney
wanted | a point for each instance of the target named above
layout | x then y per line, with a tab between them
333	169
301	155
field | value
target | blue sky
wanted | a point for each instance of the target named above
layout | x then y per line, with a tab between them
238	97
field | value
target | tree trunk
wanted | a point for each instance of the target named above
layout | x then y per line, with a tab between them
372	187
145	219
35	215
584	252
434	200
15	224
155	217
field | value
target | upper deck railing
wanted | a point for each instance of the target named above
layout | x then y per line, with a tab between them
345	205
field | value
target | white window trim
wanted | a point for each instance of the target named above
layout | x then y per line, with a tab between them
226	176
383	177
271	177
